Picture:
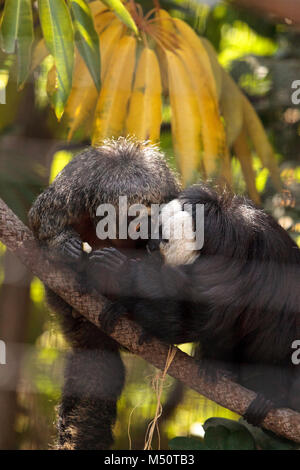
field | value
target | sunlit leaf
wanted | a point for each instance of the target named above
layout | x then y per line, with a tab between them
8	97
37	291
17	34
52	81
58	32
59	161
82	101
243	153
5	66
124	15
40	52
87	40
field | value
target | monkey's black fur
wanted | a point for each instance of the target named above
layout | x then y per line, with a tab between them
63	217
240	298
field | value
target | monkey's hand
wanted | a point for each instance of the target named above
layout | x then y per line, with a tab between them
73	255
72	249
109	258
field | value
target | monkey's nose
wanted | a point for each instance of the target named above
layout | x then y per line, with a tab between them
153	245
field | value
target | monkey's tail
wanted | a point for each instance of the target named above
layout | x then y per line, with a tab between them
93	381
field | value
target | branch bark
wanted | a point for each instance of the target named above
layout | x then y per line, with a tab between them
281	9
18	239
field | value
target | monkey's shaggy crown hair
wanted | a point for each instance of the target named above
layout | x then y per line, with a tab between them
100	175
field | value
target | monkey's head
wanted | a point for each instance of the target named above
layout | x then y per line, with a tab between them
132	168
138	170
229	226
208	221
119	168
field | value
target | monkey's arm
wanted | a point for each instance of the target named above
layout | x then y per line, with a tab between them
50	222
177	303
155	295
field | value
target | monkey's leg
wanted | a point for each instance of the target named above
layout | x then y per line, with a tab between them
94	378
214	361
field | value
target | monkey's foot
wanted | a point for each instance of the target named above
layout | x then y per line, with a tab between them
110	316
72	249
144	338
258	410
76	315
109	258
212	370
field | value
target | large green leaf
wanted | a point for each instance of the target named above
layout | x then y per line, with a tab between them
124	15
186	443
215	438
230	435
87	40
17	33
229	424
266	440
58	32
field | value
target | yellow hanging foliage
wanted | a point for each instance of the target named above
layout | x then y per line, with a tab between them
145	115
210	116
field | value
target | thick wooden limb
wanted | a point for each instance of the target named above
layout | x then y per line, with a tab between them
18	238
279	9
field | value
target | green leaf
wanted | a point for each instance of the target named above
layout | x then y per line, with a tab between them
87	39
58	32
122	13
17	33
240	440
186	443
216	438
9	99
227	434
229	424
6	63
267	440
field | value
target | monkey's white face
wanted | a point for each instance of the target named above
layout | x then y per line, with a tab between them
179	244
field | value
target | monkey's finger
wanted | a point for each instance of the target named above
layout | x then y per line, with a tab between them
73	248
105	260
75	243
72	253
100	255
111	264
113	252
97	257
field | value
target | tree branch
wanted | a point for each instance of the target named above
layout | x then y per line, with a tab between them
282	9
19	239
